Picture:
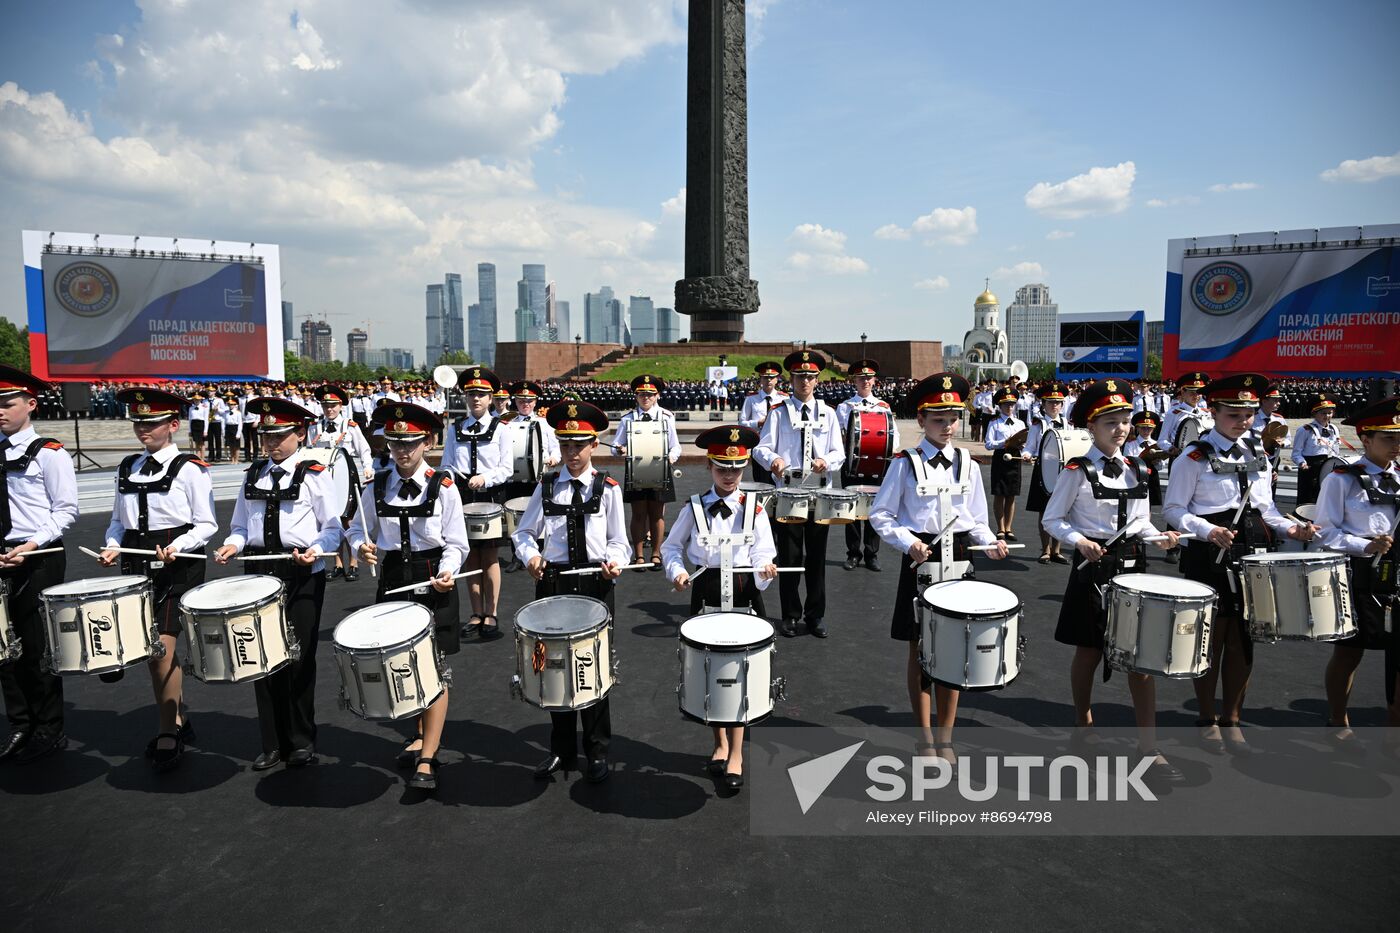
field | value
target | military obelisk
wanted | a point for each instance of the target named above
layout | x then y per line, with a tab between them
717	291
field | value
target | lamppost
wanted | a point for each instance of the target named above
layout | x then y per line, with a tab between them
578	344
862	344
446	348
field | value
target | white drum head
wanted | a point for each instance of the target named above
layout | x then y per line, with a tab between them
1295	557
761	489
482	510
1307	510
726	630
1058	448
518	505
231	591
1188	431
802	494
561	615
383	624
1158	585
864	490
93	585
971	597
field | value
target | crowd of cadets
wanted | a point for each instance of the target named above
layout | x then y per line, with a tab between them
407	520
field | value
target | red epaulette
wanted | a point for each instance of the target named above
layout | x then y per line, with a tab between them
901	454
53	445
611	481
1071	465
882	402
1195	455
1342	468
758	510
316	467
446	480
200	463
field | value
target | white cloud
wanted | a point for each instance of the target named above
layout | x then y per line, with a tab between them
936	284
1022	272
1059	234
1101	190
1234	186
1365	170
820	249
674	207
952	225
1173	202
892	232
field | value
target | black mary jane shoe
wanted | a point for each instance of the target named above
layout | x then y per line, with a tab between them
1235	746
1163	771
352	574
184	730
733	781
1344	740
597	771
408	757
1011	537
167	759
1043	559
337	572
552	765
267	760
473	626
490	629
425	782
1058	558
716	765
639	559
655	564
1216	746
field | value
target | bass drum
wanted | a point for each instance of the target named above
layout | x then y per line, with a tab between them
1057	447
526	453
340	467
1188	431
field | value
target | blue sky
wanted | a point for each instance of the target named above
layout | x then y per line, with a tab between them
385	144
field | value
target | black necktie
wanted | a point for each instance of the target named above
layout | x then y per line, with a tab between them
1113	468
805	416
576	497
272	513
1235	451
151	467
327	424
940	460
276	473
646	417
5	523
409	489
720	507
575	533
1388	483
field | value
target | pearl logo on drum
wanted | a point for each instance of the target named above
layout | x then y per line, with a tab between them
243	638
585	664
96	626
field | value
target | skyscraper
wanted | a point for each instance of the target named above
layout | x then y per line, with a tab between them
668	325
452	306
356	342
526	329
484	351
595	315
474	332
561	321
288	328
435	341
1030	325
642	314
617	324
531	296
317	341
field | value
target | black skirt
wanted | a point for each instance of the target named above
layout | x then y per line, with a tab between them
1039	496
705	592
168	583
1198	562
904	624
396	572
1369	594
1083	619
667	493
1006	475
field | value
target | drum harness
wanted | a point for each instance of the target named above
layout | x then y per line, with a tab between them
575	514
945	568
18	465
724	542
1246	514
352	503
1381	572
140	535
405	513
1117	545
473	439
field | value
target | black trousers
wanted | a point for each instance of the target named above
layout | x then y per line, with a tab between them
597	719
287	697
33	697
803	544
1308	481
250	442
861	540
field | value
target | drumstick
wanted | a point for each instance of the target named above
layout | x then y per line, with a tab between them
38	551
137	550
1234	526
415	586
1107	544
756	569
1155	537
267	557
991	547
914	564
1394	526
600	569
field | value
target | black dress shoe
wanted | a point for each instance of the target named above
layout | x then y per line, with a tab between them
715	766
1058	558
267	760
301	757
1163	771
13	743
551	765
817	627
851	563
337	572
788	628
422	781
597	771
872	563
407	757
41	745
352	575
733	781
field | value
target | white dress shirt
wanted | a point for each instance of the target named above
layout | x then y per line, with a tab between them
1173	418
657	413
1346	516
757	406
309	521
1073	513
782	439
445	528
1000	430
342	430
1194	489
1037	430
682	548
900	513
493	458
189	501
1315	440
605	531
44	496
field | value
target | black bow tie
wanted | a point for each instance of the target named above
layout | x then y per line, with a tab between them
1389	483
646	417
938	460
151	467
720	507
409	489
1113	468
327	424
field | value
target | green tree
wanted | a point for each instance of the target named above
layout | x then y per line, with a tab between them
454	358
14	345
1153	369
293	366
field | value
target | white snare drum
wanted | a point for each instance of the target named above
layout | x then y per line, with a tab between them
237	629
726	669
1297	596
764	492
647	460
98	625
790	506
1158	625
1188	431
10	645
527	453
969	634
389	664
1307	511
563	652
515	511
865	501
486	521
834	507
1059	446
